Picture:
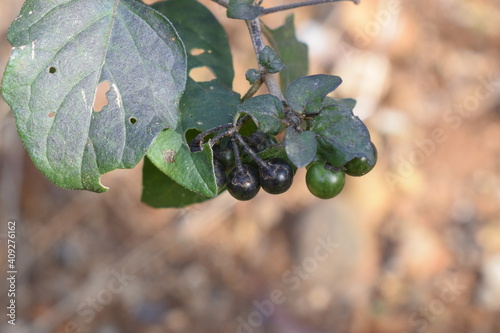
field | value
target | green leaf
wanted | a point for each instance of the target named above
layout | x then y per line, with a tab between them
243	9
160	191
252	75
300	147
205	39
266	111
62	50
194	171
291	51
204	105
269	59
348	102
306	94
341	136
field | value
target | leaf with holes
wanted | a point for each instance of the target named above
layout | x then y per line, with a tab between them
62	50
205	39
306	94
204	105
160	191
291	51
300	147
342	136
266	111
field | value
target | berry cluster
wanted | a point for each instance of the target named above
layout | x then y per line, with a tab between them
243	180
275	175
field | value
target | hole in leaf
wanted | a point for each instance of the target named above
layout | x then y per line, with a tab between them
202	74
196	52
133	120
52	70
51	114
101	100
191	134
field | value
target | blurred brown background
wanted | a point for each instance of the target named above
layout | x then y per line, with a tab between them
414	246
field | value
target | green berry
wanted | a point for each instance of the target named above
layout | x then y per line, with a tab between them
360	166
243	183
323	182
277	176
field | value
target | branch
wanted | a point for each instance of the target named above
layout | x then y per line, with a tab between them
266	11
223	3
258	45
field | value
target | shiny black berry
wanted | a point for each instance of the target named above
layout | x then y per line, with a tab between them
277	176
243	183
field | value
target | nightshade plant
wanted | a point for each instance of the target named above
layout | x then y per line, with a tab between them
197	139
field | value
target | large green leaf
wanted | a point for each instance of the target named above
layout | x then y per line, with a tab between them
306	94
342	136
205	39
62	50
160	191
291	51
203	105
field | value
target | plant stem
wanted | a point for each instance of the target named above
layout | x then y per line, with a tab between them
253	89
258	45
220	136
237	157
271	10
250	151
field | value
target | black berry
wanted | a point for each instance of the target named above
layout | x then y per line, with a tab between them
243	183
277	176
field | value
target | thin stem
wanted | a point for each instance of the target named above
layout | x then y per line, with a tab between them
236	150
258	45
202	135
223	3
250	151
253	89
271	10
220	136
